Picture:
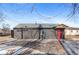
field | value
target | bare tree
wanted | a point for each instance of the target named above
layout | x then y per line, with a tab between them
6	29
5	26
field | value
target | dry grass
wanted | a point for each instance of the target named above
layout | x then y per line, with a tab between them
2	38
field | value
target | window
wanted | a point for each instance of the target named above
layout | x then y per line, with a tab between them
77	31
71	31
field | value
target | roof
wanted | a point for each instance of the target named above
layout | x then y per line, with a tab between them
71	28
61	26
44	26
35	25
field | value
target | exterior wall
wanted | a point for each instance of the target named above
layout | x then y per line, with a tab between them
49	34
71	33
27	34
17	33
34	34
30	34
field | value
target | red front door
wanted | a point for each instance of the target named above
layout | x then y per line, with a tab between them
59	34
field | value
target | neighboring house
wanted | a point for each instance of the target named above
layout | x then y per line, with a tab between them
4	32
71	33
34	31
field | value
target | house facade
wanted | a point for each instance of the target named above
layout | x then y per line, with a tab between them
67	33
34	31
45	31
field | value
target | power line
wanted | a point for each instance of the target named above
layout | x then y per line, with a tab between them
73	14
41	16
5	13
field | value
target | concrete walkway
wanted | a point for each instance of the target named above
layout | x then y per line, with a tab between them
71	47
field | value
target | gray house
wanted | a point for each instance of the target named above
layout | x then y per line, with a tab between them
34	31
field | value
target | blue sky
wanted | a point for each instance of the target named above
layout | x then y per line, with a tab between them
54	13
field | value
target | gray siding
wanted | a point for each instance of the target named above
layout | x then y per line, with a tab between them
34	34
49	34
31	34
17	34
